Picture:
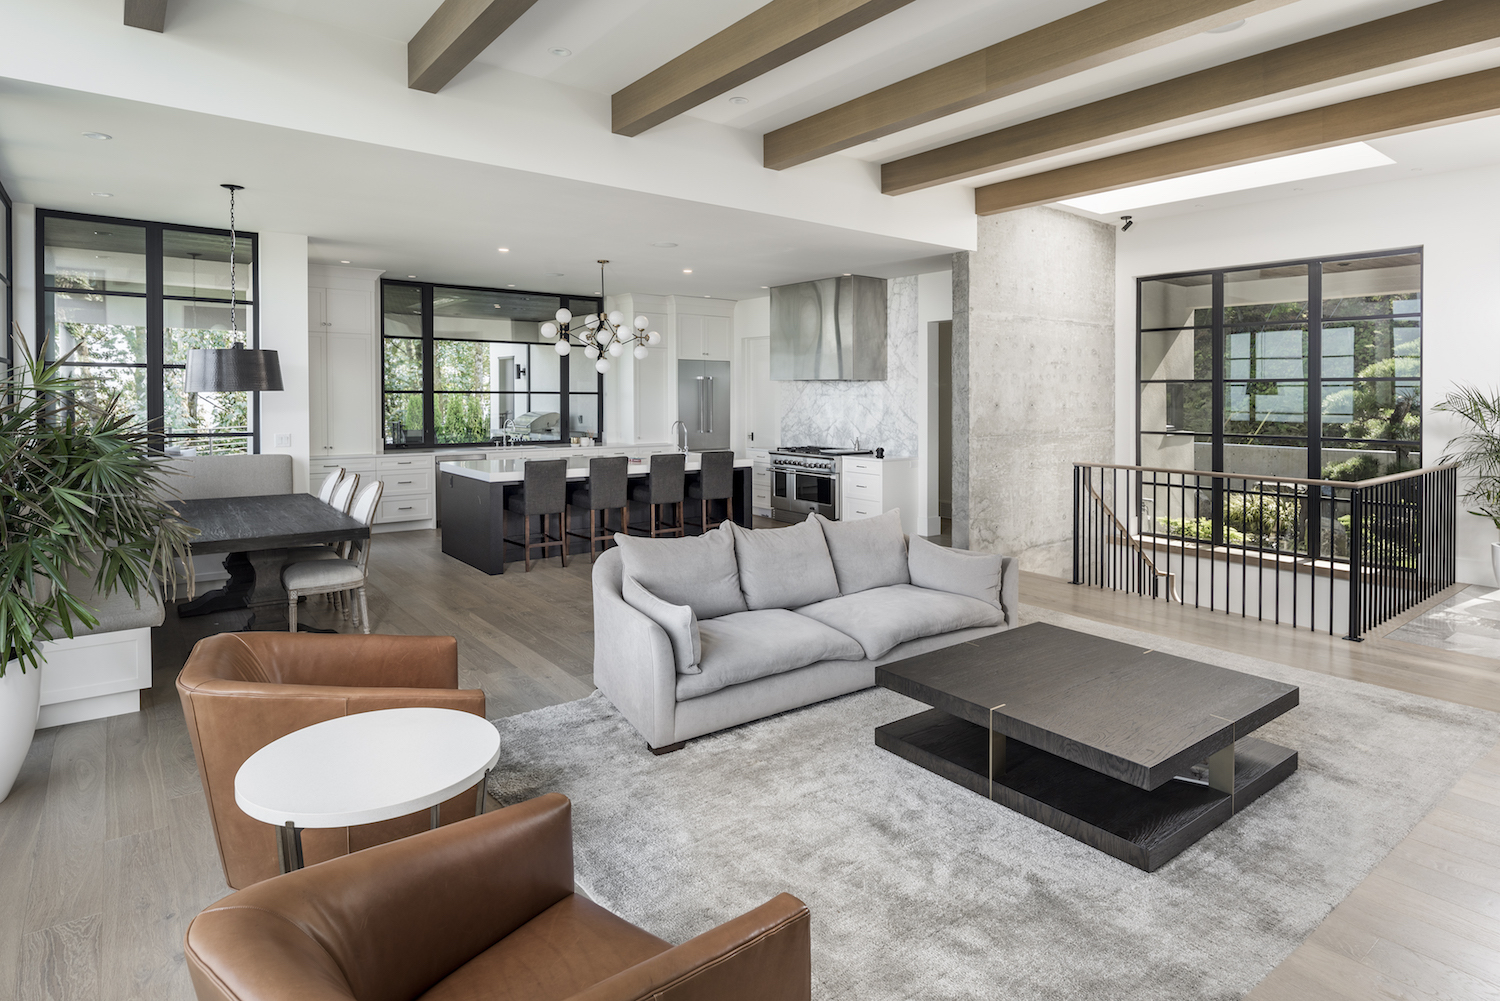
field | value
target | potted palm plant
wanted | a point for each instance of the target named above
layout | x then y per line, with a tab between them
1478	451
80	500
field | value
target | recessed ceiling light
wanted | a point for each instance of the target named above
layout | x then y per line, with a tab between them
411	276
765	286
561	52
503	250
101	194
687	271
100	257
97	135
848	274
100	233
1297	167
739	100
343	262
664	244
1225	29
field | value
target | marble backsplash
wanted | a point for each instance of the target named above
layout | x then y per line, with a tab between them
879	414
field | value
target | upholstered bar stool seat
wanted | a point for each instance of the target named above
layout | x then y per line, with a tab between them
606	490
544	486
663	488
714	482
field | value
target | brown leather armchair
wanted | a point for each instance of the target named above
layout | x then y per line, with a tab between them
479	911
240	691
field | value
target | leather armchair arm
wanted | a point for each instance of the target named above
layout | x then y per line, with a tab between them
765	955
354	661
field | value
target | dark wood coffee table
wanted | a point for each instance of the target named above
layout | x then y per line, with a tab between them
1132	751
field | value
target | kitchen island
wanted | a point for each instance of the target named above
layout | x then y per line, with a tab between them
473	495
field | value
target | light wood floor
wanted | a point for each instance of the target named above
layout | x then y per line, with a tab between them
106	854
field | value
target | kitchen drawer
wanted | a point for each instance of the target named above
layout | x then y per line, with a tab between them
406	481
399	462
862	485
853	510
403	509
868	467
762	496
762	474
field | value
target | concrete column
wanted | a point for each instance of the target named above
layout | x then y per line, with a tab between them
1033	359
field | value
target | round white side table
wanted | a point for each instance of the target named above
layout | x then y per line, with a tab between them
365	768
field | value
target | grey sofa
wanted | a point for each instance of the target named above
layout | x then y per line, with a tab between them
688	642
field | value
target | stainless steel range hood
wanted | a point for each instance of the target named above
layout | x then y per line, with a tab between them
829	330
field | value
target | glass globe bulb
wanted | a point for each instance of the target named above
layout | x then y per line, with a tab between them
549	330
641	323
591	351
641	351
563	347
616	318
653	338
592	322
616	349
563	316
602	365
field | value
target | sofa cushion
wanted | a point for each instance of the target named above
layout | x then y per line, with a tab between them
883	618
784	567
745	646
698	571
960	571
678	621
866	552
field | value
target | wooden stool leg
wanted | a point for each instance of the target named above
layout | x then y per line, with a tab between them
562	536
527	536
729	509
593	531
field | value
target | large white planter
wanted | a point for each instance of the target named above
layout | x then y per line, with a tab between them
1495	559
20	700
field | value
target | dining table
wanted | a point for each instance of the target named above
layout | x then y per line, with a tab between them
257	532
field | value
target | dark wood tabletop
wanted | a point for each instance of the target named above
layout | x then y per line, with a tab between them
272	521
1138	715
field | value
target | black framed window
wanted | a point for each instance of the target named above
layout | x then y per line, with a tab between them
464	366
1308	368
129	299
7	293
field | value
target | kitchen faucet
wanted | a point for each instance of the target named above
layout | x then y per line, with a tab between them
683	448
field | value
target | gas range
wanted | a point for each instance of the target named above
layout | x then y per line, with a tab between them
805	479
814	458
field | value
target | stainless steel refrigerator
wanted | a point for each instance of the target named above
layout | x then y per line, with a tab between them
703	403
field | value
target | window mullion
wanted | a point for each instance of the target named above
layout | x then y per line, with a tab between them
156	352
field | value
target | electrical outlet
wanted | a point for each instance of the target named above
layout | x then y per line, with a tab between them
283	441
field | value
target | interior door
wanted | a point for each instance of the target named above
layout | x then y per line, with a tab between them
762	429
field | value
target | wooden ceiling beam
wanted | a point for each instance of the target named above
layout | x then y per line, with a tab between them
148	14
1407	37
1091	37
1457	99
774	35
453	36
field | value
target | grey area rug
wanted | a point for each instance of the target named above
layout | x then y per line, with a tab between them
921	889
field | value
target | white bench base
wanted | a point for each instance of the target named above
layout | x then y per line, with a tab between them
94	676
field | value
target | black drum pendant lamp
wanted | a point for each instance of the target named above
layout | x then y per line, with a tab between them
236	369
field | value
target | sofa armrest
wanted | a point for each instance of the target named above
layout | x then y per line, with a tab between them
633	662
765	955
353	661
390	921
1010	590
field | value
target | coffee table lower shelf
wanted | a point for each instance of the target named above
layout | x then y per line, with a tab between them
1144	828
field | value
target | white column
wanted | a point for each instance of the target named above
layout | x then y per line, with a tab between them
283	329
934	304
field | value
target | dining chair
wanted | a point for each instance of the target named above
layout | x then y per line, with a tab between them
343	493
663	487
714	482
334	575
606	490
330	482
543	492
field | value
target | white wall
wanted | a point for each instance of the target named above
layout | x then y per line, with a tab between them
1455	217
283	329
752	318
23	264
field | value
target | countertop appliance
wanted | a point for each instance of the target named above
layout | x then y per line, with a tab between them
534	424
804	479
829	330
703	403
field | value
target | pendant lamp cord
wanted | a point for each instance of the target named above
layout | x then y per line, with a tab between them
234	323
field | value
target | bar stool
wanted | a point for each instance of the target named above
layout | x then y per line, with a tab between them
609	481
715	481
663	486
543	492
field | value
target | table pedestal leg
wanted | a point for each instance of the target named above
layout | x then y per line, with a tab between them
1221	771
289	847
267	598
434	817
479	796
233	595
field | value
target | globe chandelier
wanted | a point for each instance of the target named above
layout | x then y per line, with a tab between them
602	337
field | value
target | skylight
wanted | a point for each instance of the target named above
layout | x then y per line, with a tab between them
1297	167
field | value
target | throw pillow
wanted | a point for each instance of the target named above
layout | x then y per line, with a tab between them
698	571
867	552
784	567
678	621
957	571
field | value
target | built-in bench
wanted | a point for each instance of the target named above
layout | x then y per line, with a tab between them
100	672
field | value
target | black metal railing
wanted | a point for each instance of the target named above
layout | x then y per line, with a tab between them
1326	554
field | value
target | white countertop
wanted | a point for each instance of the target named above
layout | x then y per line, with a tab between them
511	470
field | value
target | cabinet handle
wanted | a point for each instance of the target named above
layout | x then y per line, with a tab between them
404	462
407	508
400	483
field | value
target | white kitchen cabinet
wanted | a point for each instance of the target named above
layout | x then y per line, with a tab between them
869	486
761	481
704	337
341	393
340	310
